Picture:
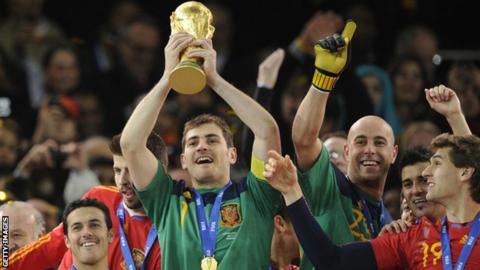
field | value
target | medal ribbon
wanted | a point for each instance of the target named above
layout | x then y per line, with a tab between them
208	230
467	248
127	254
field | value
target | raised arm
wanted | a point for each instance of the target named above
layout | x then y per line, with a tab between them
142	164
445	101
252	114
320	250
331	57
266	80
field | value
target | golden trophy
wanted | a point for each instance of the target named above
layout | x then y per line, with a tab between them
196	19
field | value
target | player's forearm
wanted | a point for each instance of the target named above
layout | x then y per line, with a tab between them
318	247
141	122
458	124
309	118
248	110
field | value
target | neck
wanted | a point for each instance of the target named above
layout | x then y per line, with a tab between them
218	184
282	255
374	190
461	208
100	265
134	212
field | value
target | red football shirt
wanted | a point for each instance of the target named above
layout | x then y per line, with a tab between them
420	247
50	249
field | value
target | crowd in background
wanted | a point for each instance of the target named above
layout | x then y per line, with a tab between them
61	100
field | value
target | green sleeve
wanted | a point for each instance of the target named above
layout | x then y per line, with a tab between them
155	197
266	199
319	184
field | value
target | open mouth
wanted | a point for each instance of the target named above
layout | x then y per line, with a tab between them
369	163
88	244
204	160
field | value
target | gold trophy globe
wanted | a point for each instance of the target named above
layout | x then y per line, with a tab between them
194	18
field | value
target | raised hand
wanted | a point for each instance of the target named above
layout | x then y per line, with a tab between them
176	44
443	100
396	226
204	49
282	175
268	69
320	25
331	57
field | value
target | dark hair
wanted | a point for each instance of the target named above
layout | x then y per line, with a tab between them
414	156
155	144
47	59
85	203
203	119
141	18
401	60
464	152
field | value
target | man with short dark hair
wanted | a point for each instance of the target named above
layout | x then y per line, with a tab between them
87	229
129	223
219	222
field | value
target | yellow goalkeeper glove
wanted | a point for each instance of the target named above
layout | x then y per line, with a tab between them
331	57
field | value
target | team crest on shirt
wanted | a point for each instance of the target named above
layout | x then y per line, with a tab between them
230	215
137	256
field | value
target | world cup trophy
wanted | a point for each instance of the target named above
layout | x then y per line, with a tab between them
195	19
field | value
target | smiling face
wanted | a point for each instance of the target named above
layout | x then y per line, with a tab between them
206	156
124	183
370	150
443	177
88	236
414	189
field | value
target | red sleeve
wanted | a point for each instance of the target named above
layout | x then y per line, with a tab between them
46	252
389	250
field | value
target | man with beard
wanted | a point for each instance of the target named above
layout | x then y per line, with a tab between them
348	206
128	217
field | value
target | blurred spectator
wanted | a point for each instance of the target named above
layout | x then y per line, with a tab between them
57	120
9	150
409	81
61	69
92	120
99	159
464	77
335	143
26	224
418	134
421	42
121	13
26	36
136	70
379	88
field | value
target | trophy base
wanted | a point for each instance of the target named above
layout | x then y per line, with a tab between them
188	78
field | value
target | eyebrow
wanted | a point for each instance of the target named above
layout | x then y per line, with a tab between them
210	135
436	156
365	137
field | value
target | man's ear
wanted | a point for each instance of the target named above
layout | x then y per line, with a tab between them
279	223
183	161
467	173
346	151
67	242
110	236
395	153
232	155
